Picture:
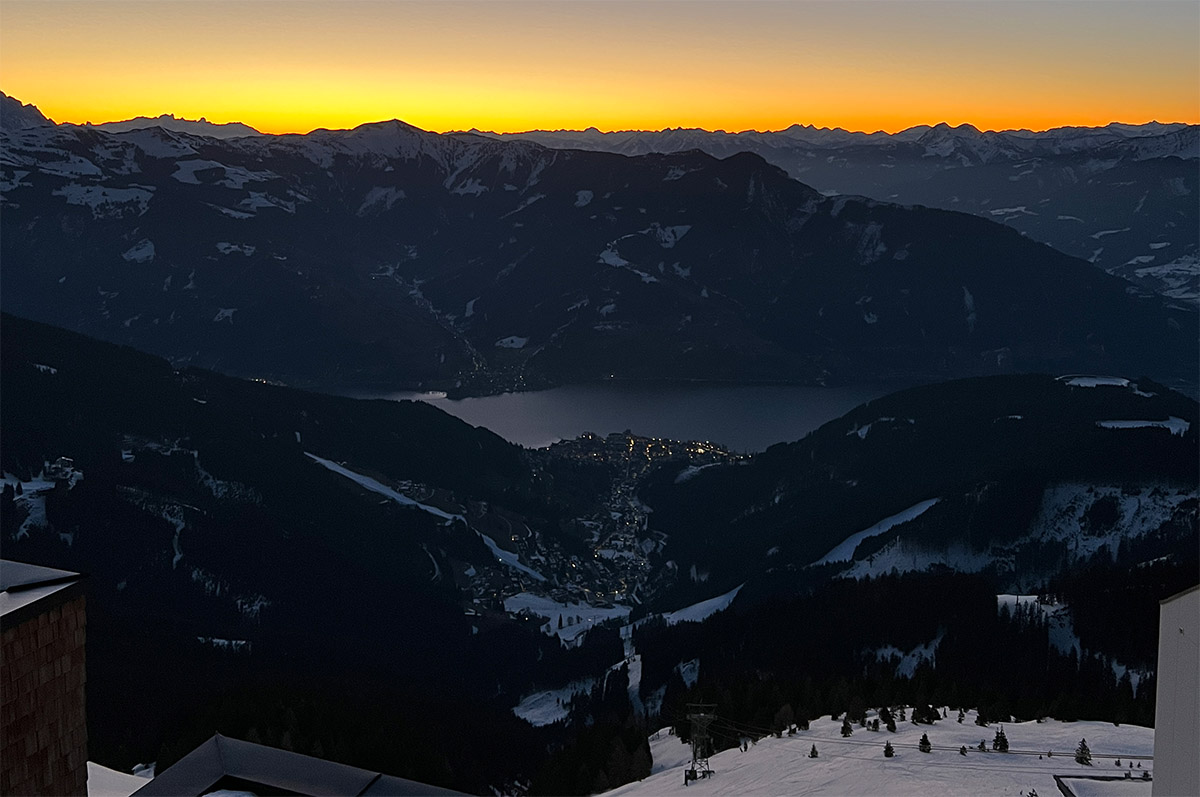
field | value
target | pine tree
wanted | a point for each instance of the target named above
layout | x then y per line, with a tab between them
846	729
813	752
1000	743
961	715
888	751
1083	753
963	750
924	746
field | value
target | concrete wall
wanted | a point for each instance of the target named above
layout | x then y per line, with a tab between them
43	718
1177	712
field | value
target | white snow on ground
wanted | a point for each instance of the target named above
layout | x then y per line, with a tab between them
233	214
1094	381
226	248
690	472
572	628
667	237
910	660
105	782
856	765
610	257
582	198
106	202
224	314
689	671
258	200
1103	233
511	342
698	612
381	489
1060	517
7	185
1058	618
33	501
550	706
1174	425
1178	278
844	552
901	557
865	429
185	171
231	176
141	252
473	187
1139	513
507	557
73	166
1160	245
380	197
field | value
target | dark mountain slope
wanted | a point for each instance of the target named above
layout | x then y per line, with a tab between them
991	451
390	256
232	580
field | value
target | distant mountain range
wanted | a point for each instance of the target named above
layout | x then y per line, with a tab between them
17	116
1121	196
390	256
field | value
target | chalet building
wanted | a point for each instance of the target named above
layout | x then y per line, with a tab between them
43	716
1176	738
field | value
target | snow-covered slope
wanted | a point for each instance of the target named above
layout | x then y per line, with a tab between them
856	765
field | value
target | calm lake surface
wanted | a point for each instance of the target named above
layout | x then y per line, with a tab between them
742	418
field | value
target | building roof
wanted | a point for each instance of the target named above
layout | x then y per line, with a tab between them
27	590
1178	595
222	762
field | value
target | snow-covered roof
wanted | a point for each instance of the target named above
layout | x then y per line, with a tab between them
26	590
224	761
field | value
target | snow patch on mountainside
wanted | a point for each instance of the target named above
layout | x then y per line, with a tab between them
567	621
107	202
699	612
226	248
844	551
908	661
1176	426
1057	615
141	252
507	557
550	705
374	486
378	199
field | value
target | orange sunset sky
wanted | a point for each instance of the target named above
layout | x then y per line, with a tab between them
505	65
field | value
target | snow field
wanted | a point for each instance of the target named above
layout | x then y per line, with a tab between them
856	765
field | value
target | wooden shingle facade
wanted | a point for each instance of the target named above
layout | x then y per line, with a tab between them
43	715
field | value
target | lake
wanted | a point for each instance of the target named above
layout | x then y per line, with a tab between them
742	418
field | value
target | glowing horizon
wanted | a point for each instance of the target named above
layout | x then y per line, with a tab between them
733	65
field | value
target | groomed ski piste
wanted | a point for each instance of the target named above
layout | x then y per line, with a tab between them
1038	751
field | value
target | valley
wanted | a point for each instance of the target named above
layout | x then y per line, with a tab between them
476	458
